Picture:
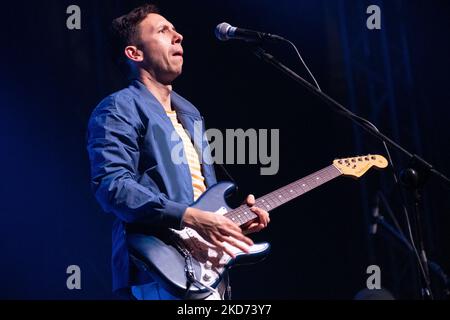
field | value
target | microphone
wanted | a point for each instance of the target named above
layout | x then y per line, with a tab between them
225	32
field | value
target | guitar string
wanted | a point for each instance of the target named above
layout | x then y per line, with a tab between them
298	186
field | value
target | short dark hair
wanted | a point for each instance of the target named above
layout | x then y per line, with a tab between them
125	30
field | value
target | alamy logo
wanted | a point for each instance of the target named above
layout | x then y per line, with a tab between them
374	20
73	22
263	147
374	280
74	280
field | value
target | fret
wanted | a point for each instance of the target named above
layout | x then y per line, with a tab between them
238	215
286	196
318	177
311	182
230	215
287	190
326	176
270	200
278	198
274	203
244	217
233	217
274	199
284	199
263	203
298	188
248	215
319	180
331	170
304	186
292	191
335	171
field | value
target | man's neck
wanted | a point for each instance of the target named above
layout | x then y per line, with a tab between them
160	91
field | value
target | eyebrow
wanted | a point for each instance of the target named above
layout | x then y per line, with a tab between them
166	24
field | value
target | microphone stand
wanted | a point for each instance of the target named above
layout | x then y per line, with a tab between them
413	178
400	237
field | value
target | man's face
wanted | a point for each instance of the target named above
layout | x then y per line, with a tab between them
161	45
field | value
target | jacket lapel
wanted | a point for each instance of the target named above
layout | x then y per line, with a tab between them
190	118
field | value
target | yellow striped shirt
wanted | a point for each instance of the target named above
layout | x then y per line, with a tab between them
198	181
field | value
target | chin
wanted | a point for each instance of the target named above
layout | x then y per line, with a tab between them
177	73
171	78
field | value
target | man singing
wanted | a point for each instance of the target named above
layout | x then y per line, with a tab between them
130	149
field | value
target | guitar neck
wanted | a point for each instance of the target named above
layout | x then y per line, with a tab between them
270	201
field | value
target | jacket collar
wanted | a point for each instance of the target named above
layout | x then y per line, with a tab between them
180	104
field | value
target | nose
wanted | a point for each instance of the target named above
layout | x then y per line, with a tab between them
178	37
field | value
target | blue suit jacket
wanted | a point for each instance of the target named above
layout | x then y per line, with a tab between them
130	141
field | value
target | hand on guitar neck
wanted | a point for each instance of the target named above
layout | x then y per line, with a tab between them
218	229
258	224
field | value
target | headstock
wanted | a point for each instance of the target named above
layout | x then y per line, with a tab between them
357	166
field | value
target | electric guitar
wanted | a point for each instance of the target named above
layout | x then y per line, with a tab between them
190	267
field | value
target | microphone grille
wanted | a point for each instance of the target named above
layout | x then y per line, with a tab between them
222	31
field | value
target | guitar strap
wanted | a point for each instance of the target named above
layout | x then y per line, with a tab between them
189	269
190	274
228	285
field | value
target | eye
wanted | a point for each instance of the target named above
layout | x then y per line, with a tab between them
163	29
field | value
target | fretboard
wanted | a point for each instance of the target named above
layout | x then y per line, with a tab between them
270	201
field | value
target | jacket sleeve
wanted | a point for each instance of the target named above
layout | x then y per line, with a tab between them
112	143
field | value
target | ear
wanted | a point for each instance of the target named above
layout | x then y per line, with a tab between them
134	54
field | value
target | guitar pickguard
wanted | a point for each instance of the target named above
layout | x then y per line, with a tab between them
213	261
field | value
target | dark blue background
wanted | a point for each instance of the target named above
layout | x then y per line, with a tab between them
52	78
